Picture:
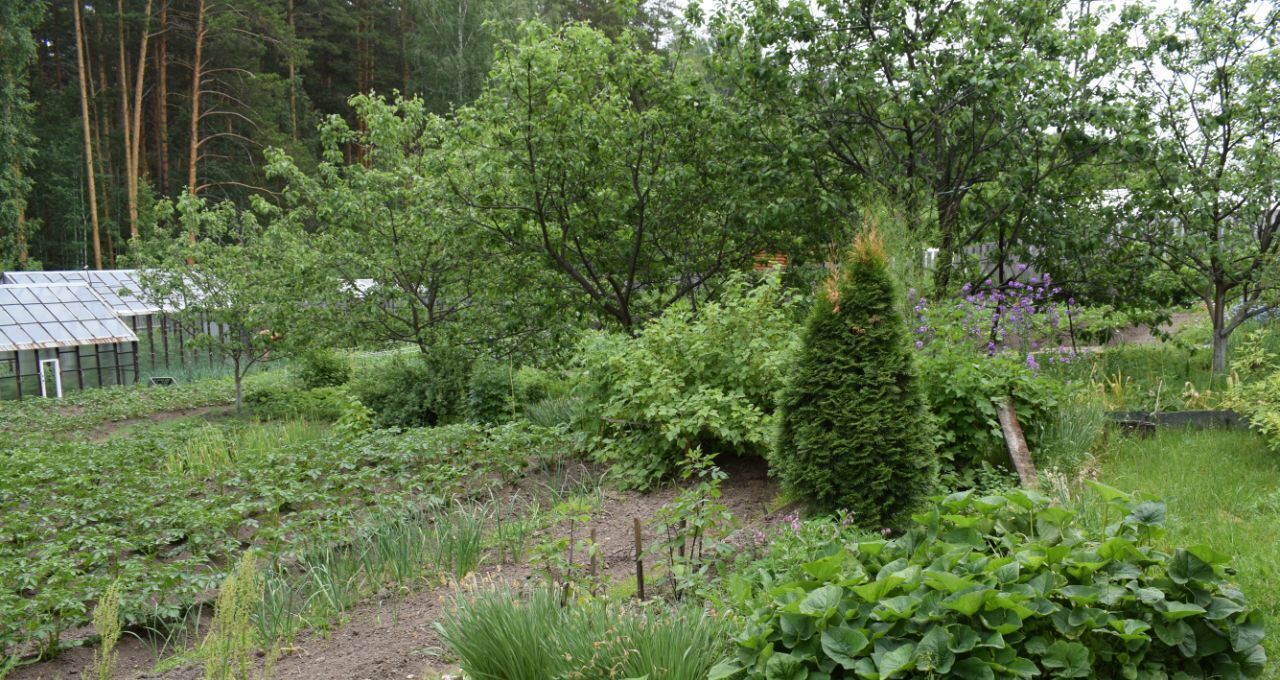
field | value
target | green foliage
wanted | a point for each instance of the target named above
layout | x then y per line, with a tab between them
854	433
1005	587
82	411
323	368
962	386
284	402
106	623
498	635
1202	189
1255	386
491	390
605	164
706	380
228	650
1229	499
110	510
692	526
423	390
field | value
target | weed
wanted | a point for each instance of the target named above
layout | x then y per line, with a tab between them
228	650
106	622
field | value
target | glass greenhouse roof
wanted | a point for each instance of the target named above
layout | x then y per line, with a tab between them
45	315
118	287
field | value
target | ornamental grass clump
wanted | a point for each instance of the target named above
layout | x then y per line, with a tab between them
854	433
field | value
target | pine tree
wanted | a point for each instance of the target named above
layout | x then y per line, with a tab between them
854	431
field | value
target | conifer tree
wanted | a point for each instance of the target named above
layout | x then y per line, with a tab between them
854	432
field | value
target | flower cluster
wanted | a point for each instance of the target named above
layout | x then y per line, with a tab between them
1019	316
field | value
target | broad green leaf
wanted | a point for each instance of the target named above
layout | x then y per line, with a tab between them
843	645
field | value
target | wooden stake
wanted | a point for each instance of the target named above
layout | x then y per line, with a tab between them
1017	443
639	560
595	573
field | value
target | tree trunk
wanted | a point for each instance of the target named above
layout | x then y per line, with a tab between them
162	102
293	74
88	143
125	125
948	228
1016	443
404	48
239	383
197	78
134	136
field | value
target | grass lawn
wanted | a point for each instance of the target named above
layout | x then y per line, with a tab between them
1223	490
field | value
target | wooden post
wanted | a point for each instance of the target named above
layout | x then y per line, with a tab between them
1017	443
639	560
17	370
164	337
137	370
151	340
97	361
79	368
115	354
182	349
594	564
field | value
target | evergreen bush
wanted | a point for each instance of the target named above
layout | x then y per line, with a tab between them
420	391
323	368
490	391
854	433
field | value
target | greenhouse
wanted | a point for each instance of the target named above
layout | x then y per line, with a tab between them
55	336
162	341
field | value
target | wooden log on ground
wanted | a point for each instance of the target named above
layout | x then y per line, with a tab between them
1016	443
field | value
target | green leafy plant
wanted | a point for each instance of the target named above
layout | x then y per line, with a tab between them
1004	586
424	390
228	650
692	525
689	380
491	394
323	368
283	402
106	623
854	432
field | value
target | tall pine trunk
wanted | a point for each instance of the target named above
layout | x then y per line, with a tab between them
162	102
134	136
88	144
197	81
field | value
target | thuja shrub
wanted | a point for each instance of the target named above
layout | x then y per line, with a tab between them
1005	587
854	433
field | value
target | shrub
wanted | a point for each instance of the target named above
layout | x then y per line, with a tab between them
1255	385
853	430
962	386
1004	587
490	391
420	391
286	403
689	380
497	635
323	368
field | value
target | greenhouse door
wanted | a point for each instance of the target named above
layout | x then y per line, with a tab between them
50	376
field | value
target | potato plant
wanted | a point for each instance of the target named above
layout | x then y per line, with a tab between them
115	510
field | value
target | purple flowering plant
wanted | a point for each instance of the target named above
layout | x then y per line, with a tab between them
990	342
1027	318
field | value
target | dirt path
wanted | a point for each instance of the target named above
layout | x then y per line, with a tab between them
108	430
396	638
